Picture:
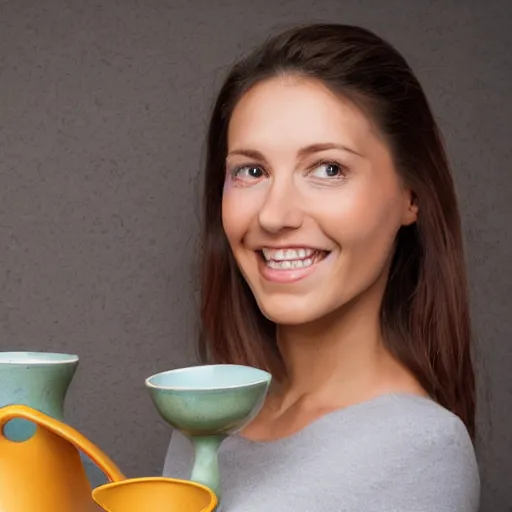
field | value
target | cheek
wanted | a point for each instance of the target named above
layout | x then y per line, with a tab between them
367	218
238	211
230	222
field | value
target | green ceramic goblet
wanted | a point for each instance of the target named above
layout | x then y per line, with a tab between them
207	404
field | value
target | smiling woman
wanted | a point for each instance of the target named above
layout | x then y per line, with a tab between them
333	258
340	199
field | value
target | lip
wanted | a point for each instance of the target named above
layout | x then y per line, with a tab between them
290	246
288	275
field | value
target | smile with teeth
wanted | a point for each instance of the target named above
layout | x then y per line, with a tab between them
290	259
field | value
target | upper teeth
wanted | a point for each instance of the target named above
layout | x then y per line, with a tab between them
287	254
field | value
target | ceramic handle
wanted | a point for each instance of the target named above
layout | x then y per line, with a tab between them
68	433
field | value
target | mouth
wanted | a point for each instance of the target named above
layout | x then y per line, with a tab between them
296	258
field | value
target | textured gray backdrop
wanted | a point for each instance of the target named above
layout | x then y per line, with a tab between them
103	106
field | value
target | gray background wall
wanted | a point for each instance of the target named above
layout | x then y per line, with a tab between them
103	106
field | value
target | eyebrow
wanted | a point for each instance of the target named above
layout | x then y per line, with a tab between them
302	153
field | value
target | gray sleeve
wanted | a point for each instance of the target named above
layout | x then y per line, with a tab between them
437	473
179	457
167	469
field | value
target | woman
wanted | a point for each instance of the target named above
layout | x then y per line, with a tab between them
333	258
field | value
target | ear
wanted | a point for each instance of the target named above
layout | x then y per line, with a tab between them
411	208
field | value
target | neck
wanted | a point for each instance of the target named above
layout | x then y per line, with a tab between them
341	358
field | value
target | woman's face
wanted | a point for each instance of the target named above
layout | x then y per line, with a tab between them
312	202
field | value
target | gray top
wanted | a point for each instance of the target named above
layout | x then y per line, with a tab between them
394	453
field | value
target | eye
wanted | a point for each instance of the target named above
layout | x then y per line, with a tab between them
249	171
248	174
330	170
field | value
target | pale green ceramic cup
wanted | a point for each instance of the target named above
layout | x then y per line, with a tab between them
207	404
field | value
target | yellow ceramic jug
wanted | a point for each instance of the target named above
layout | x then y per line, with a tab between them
155	494
45	473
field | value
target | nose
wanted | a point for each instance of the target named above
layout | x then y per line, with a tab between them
281	209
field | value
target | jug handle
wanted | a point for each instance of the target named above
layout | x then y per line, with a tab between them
10	412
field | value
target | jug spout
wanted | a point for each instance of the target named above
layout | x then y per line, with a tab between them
154	494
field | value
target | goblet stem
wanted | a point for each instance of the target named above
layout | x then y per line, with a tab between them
206	465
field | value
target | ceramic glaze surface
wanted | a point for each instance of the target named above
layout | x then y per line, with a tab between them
45	472
217	376
39	380
155	495
208	403
206	400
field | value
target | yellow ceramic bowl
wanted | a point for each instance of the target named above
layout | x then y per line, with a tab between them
154	494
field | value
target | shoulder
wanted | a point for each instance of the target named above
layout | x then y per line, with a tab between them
426	452
421	431
421	424
411	414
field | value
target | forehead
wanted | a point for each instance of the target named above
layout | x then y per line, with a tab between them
296	111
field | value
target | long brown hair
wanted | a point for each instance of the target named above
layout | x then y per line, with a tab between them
425	312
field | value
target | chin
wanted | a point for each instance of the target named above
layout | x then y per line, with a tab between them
290	313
